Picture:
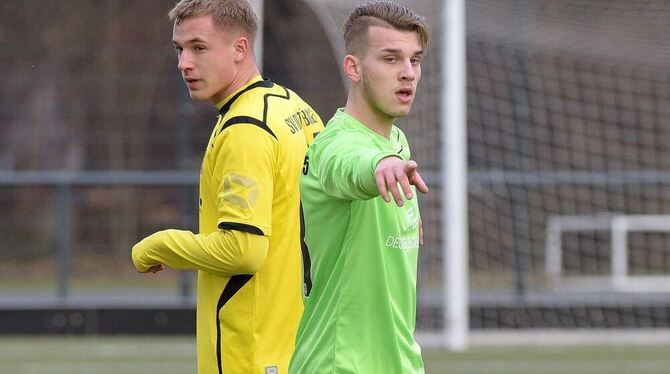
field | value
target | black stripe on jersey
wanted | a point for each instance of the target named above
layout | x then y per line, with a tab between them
306	260
265	109
240	227
247	120
401	146
235	283
265	83
250	120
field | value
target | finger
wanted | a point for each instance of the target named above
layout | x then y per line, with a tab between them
405	185
418	182
412	171
154	269
392	184
411	167
381	186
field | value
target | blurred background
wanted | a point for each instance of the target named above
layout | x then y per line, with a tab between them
568	157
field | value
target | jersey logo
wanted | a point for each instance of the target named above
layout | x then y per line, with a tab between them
300	119
412	219
409	237
271	370
240	190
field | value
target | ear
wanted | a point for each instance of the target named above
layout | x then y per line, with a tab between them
352	67
241	47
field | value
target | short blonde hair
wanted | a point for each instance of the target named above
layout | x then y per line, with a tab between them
383	14
226	13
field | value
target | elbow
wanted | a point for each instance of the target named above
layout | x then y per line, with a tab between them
253	254
252	261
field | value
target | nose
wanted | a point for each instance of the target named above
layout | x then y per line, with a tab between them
184	62
407	72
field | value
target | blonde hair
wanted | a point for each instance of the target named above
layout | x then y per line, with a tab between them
226	13
384	14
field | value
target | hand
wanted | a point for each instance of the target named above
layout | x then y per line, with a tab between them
143	263
393	170
154	269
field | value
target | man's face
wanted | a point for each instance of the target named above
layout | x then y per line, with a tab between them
206	58
390	70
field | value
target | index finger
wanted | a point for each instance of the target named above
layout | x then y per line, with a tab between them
418	182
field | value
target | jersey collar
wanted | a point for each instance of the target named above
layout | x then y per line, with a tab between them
225	104
349	118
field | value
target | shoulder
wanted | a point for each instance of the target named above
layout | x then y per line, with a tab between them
334	129
251	108
253	100
339	134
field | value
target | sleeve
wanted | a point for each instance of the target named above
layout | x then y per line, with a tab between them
345	166
224	253
244	172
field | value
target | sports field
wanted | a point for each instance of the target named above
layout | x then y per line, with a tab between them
171	355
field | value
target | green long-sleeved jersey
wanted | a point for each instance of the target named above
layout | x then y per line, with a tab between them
360	305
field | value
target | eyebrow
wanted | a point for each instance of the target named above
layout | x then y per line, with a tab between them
191	41
396	50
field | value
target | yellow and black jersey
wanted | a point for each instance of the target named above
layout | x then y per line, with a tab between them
250	182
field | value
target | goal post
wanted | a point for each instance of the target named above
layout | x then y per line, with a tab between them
454	178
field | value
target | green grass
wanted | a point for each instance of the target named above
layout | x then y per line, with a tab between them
168	355
604	359
98	355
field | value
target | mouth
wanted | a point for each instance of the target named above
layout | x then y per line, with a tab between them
191	82
405	95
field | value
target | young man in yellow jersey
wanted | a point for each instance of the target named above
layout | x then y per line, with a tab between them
247	251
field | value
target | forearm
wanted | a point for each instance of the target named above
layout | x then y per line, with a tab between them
224	253
351	175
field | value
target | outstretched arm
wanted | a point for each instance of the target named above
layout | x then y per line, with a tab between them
225	253
349	169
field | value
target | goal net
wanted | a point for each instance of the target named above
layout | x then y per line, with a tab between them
568	156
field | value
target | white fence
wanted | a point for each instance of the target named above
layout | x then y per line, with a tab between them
619	226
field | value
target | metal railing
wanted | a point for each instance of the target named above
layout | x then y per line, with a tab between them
64	181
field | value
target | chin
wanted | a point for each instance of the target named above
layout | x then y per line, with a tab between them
199	96
401	113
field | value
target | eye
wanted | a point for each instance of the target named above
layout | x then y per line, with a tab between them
199	48
390	59
415	61
178	50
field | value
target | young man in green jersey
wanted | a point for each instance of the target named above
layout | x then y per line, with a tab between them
360	304
247	251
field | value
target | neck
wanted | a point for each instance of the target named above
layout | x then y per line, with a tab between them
359	108
246	72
